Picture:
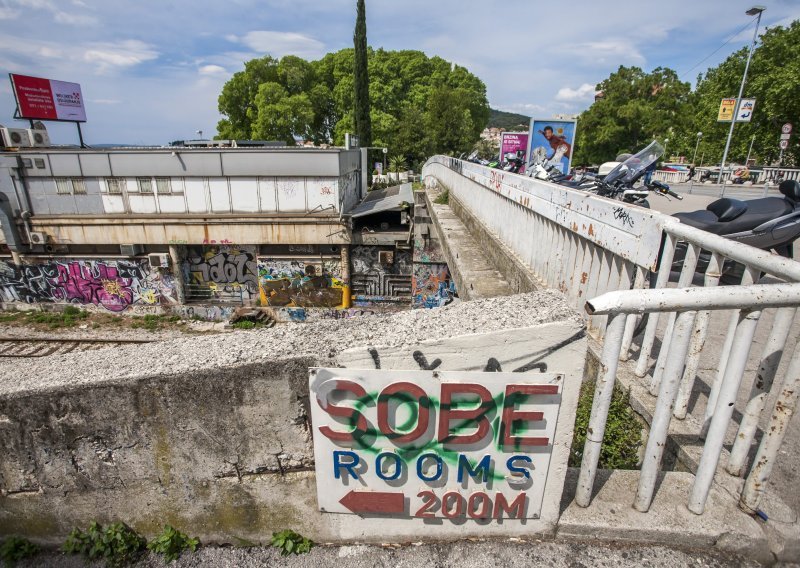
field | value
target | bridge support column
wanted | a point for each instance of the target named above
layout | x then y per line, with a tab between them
175	257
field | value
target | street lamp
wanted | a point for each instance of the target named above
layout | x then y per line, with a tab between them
699	136
666	156
754	11
200	133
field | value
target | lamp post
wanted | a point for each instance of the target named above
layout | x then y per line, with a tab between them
666	156
754	11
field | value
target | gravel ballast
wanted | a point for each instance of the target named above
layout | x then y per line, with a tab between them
323	340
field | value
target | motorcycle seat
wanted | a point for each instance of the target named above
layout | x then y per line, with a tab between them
728	218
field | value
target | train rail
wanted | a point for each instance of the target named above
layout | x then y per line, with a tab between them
24	347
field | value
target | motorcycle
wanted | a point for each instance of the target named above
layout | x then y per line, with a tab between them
770	223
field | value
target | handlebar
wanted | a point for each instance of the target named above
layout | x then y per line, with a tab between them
664	189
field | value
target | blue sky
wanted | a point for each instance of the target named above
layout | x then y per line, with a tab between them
151	70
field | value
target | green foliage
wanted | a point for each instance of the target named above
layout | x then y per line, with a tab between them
69	317
508	120
417	105
14	549
398	164
443	198
363	120
636	108
623	435
118	544
172	543
289	542
244	324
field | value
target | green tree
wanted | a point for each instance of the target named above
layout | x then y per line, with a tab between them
363	122
635	108
238	98
773	80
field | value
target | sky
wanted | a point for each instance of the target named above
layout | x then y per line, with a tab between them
151	70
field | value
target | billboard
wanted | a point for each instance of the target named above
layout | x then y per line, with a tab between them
47	99
511	142
551	141
726	108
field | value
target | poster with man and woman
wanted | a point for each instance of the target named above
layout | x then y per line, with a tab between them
550	142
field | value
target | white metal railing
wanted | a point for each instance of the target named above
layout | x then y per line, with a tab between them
688	304
671	176
587	246
773	174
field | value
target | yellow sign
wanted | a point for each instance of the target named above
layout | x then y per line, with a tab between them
726	110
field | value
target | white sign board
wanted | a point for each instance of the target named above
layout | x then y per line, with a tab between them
430	444
784	144
786	128
745	112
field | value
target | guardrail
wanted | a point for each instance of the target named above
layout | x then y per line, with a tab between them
670	176
588	246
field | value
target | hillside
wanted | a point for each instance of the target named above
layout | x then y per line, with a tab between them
508	120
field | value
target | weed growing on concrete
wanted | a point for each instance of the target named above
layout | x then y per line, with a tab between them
289	542
6	317
623	436
118	544
244	324
69	317
444	198
14	549
172	543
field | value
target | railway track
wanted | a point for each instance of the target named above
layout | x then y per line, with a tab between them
23	347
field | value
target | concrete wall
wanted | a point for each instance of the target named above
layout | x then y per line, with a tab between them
225	453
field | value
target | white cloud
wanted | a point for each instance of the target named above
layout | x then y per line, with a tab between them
60	16
123	54
7	13
609	51
212	70
279	44
583	93
105	101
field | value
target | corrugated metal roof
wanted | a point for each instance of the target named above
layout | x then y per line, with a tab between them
384	200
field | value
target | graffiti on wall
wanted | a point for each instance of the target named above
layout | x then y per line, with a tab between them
428	250
299	283
432	286
372	277
221	272
113	284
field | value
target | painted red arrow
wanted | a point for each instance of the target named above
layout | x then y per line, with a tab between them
374	502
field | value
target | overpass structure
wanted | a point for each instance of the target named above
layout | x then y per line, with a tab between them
613	262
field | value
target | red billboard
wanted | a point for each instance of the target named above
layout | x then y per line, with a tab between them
46	99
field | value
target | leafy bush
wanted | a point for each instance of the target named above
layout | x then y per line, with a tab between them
172	543
623	435
444	198
118	544
289	542
14	549
244	324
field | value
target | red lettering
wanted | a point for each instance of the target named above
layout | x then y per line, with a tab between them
477	414
516	510
353	415
513	395
414	396
485	505
429	503
455	498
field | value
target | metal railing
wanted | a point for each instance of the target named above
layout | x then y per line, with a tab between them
687	305
588	247
671	176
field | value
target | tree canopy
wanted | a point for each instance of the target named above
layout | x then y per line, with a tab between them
637	107
419	105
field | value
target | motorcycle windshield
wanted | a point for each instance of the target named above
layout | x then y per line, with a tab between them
634	167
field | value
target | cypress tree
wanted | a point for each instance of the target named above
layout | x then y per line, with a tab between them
361	79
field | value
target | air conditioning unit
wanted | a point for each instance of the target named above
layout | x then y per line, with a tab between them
38	238
158	260
15	137
130	250
386	257
39	137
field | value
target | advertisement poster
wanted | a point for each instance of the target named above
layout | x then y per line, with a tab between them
551	142
726	108
46	99
510	142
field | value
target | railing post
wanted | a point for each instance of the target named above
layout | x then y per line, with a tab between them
698	341
661	417
606	377
632	319
652	321
740	349
770	359
785	407
684	281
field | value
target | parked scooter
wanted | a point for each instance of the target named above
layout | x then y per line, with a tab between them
771	223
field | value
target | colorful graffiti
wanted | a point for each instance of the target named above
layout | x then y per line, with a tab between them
297	283
432	286
428	250
221	272
113	284
201	312
373	278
